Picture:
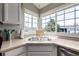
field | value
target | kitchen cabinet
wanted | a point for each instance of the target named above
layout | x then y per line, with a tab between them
40	54
33	50
11	13
42	50
1	12
63	51
24	54
20	51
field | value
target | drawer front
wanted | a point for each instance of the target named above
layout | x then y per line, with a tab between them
16	51
40	48
39	53
24	54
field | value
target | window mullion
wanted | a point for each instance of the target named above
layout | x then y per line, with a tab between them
64	21
32	22
56	22
75	20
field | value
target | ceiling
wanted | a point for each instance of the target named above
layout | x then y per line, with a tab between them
41	5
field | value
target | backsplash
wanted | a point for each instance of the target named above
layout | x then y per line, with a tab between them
11	27
68	38
8	26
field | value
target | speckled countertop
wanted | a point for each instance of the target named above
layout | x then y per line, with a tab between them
8	45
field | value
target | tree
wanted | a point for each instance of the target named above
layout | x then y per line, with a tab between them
51	25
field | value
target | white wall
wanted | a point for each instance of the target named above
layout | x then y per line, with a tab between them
50	7
31	7
21	17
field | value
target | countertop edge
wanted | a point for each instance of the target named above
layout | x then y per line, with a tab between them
25	43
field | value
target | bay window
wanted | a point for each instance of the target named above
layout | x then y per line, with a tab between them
66	20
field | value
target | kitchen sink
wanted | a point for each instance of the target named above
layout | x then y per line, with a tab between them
39	39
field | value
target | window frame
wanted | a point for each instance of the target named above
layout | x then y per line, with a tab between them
64	13
31	23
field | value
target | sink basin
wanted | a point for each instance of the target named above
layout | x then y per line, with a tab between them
39	39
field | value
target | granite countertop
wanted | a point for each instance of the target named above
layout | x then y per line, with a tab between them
9	45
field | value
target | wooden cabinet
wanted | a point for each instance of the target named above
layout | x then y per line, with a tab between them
42	50
11	13
16	52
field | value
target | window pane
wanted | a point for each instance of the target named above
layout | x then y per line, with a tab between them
43	25
48	16
34	17
61	17
52	15
69	15
53	18
47	20
77	29
70	29
69	22
43	21
26	24
25	29
60	23
46	24
34	21
77	14
30	25
77	21
61	29
26	19
26	15
30	20
69	10
77	7
43	17
60	12
34	25
30	16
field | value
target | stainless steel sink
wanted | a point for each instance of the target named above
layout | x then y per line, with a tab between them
39	39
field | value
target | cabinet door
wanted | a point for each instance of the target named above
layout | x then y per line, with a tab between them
1	11
39	53
42	50
39	48
11	13
16	52
24	54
